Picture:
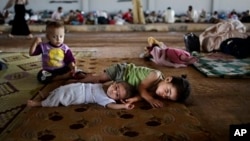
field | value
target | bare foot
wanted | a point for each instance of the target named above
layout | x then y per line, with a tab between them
188	59
192	60
32	103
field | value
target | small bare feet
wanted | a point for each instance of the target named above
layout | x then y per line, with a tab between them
192	60
32	103
188	59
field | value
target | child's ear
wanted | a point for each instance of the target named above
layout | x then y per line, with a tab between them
168	79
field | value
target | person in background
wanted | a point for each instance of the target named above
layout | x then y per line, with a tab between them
152	17
57	15
103	17
203	16
19	24
214	18
58	62
78	19
84	93
192	14
127	16
233	15
169	15
71	16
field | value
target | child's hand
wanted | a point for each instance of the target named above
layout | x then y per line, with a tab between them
73	71
38	40
129	106
156	103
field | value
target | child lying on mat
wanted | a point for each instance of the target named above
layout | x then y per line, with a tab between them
84	93
150	83
160	54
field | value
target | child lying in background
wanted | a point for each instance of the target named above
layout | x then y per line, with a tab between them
162	55
84	93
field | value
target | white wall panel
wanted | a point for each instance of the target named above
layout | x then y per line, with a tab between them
180	6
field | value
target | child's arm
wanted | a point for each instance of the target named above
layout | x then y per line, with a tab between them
145	85
126	106
149	98
73	68
34	44
89	78
132	99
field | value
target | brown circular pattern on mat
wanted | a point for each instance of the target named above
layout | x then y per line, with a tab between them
125	115
79	124
126	131
81	109
45	135
55	116
154	121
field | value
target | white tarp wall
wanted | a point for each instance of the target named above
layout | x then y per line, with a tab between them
180	6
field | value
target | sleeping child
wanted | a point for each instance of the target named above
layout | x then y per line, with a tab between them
84	93
162	55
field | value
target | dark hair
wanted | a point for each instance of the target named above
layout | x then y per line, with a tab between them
182	86
54	24
130	90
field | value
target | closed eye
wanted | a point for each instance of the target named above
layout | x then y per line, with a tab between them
168	93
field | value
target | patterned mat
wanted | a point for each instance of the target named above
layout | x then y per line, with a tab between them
92	122
18	83
222	65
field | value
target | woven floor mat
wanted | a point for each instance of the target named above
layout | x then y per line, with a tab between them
18	83
93	122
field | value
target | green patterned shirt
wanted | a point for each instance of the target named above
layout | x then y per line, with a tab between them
135	74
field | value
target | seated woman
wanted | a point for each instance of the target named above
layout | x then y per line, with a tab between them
160	54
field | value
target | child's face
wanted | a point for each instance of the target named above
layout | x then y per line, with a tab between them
167	90
116	91
56	36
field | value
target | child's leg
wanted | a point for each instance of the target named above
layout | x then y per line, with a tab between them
43	95
80	75
65	76
46	91
71	75
33	103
